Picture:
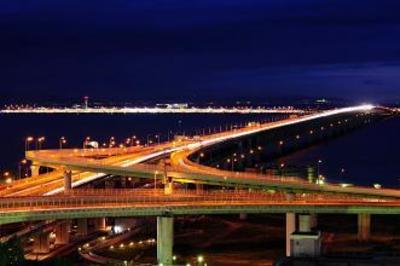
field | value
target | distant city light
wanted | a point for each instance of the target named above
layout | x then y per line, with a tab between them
151	110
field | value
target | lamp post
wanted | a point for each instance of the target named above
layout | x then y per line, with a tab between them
128	142
7	177
39	142
28	140
232	159
282	166
21	163
62	141
148	139
158	138
155	180
318	168
133	139
169	134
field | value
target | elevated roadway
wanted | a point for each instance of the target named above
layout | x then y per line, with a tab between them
155	203
184	170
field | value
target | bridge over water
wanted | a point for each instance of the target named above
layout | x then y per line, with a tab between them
76	167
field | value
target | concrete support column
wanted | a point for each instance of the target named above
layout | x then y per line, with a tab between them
165	239
35	169
100	224
167	180
305	243
62	233
67	180
82	227
305	223
41	244
290	228
364	226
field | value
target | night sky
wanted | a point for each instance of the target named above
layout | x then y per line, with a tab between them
127	50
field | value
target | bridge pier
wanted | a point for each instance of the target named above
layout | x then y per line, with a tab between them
305	242
35	169
67	181
165	239
41	244
82	227
290	229
305	223
100	224
364	227
62	232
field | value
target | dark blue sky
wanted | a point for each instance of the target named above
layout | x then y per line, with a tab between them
199	50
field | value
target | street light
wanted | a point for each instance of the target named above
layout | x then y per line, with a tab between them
27	141
282	167
169	134
158	138
132	140
7	177
62	141
155	180
39	142
232	161
318	175
148	140
21	163
111	142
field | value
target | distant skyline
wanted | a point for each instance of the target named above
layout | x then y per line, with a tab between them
197	51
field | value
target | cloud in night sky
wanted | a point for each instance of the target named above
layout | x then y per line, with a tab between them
138	50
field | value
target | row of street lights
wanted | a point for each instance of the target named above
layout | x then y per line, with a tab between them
132	141
38	143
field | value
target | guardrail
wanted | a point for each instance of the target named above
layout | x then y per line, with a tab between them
109	198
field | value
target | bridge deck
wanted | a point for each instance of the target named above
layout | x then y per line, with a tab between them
88	204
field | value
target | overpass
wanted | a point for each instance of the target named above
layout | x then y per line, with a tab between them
135	203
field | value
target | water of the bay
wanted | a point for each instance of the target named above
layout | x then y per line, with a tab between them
366	156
